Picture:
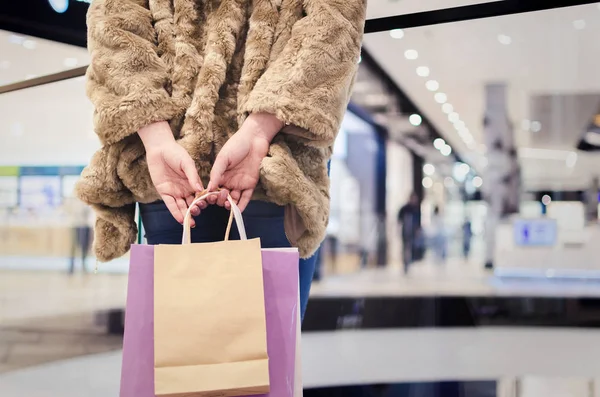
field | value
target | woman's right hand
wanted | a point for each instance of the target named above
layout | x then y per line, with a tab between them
172	170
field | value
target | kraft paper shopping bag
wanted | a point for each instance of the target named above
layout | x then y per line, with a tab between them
280	273
209	318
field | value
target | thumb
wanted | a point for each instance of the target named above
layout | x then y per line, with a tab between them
218	170
191	173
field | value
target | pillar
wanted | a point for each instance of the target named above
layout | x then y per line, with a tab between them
502	177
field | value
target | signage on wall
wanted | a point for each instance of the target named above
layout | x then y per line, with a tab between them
57	20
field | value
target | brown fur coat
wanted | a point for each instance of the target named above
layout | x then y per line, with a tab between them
204	65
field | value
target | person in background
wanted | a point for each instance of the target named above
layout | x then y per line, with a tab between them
79	217
237	96
409	219
467	232
438	236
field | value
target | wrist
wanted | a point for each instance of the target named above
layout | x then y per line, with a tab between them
263	125
156	135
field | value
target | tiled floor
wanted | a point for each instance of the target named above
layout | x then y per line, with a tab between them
48	316
566	360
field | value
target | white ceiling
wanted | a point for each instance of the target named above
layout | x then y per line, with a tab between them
547	55
47	125
24	57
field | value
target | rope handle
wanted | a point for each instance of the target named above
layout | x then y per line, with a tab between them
234	213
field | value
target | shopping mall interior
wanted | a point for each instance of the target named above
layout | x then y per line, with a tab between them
479	120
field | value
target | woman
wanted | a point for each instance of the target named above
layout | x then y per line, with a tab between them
244	95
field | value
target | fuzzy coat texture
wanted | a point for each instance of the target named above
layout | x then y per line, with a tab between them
204	65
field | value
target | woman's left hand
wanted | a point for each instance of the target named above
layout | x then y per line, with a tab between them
237	165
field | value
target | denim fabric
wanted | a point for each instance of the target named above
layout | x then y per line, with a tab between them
262	220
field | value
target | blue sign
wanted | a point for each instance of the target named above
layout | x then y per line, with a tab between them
535	232
40	171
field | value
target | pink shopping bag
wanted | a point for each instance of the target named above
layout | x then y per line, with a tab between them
280	274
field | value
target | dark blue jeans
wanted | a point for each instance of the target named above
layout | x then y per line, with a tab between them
262	220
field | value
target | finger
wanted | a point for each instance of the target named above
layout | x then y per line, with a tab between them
203	205
189	200
191	173
235	195
245	199
183	208
212	199
218	169
194	209
173	208
222	197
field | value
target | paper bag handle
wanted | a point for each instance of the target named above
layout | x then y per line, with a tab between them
234	213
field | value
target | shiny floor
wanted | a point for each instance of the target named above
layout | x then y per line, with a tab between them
525	362
49	316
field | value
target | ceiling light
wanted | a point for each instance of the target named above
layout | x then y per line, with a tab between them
70	62
447	108
446	150
459	125
579	24
423	71
477	181
526	125
4	64
415	119
427	182
464	168
29	44
440	97
432	85
448	182
471	145
504	39
546	200
411	54
429	169
439	143
536	126
453	117
397	33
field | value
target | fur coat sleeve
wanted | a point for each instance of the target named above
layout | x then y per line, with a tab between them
127	80
308	85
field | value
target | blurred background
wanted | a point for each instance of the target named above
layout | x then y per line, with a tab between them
462	255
